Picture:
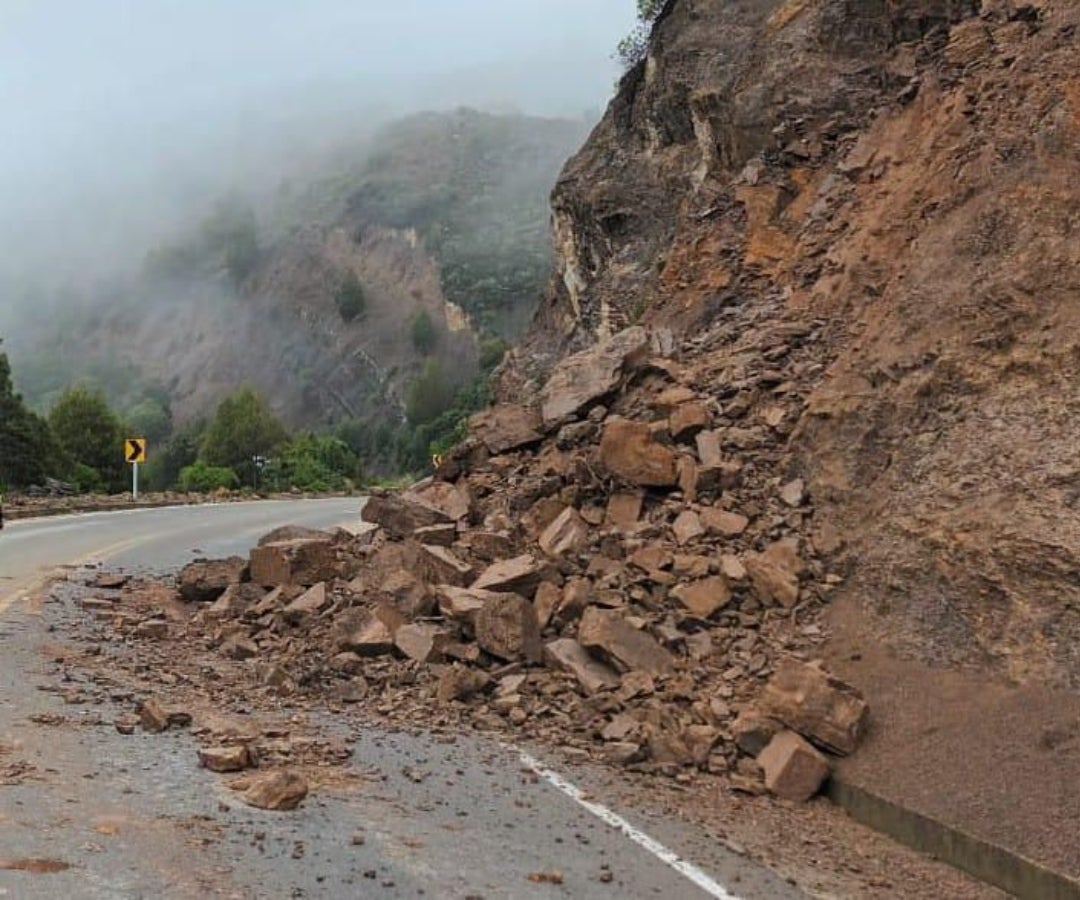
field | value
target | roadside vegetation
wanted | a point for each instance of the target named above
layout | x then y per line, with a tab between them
80	442
243	446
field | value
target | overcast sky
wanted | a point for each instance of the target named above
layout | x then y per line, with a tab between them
92	91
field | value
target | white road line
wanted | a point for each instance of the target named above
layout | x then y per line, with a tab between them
668	857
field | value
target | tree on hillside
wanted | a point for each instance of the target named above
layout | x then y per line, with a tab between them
634	47
233	231
150	418
430	395
243	428
424	333
350	298
89	435
28	451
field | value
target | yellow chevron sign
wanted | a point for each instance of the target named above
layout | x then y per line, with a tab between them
135	450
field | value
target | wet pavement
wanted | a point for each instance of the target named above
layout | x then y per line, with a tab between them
88	812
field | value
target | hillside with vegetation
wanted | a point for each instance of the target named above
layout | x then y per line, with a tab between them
366	305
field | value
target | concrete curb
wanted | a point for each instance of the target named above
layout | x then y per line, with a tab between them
12	514
988	862
48	512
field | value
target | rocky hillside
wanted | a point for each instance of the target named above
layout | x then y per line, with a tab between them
851	230
313	298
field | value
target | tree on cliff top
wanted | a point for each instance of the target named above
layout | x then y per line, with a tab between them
634	47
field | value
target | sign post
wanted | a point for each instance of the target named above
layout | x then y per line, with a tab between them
135	453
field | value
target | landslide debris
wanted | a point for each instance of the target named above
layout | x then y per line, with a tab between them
568	593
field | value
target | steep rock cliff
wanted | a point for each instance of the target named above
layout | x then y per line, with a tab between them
855	223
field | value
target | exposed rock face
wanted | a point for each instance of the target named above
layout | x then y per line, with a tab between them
849	267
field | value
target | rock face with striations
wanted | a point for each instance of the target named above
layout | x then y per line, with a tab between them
849	220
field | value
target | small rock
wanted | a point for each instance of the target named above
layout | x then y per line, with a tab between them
624	511
152	629
310	603
753	731
152	716
687	527
567	534
688	420
570	656
724	523
459	683
793	493
703	598
422	642
233	758
127	723
279	791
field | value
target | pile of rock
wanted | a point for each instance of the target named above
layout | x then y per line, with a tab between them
801	709
620	565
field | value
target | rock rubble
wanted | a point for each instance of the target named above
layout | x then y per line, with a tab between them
616	572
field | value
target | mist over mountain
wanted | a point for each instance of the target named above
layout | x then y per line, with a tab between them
123	121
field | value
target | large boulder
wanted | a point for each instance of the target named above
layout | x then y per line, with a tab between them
401	515
305	562
505	428
591	374
820	707
568	533
628	648
519	575
507	627
629	450
205	580
793	769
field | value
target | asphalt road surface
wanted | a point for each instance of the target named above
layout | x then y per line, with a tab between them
86	812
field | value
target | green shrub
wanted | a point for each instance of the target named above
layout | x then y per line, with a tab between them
350	299
317	463
430	396
243	428
204	479
633	48
492	352
87	480
424	333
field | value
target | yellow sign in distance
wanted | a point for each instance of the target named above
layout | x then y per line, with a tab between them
135	450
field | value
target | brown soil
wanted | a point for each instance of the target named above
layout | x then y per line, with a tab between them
999	761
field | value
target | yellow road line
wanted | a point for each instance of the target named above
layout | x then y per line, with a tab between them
31	586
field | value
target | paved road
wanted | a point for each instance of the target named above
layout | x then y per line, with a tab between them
135	817
162	538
